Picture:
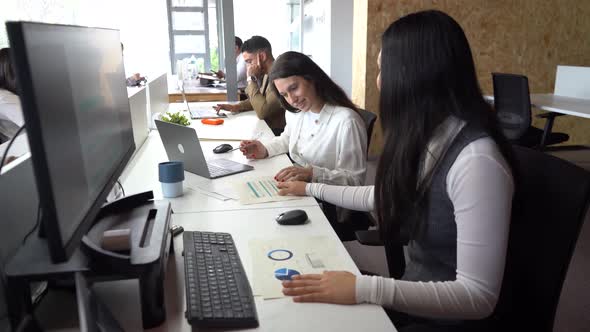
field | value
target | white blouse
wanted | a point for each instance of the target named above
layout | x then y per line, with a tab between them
334	144
10	108
480	186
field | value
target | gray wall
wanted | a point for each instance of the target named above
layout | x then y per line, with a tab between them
327	37
341	44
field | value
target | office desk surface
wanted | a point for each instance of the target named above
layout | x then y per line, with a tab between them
236	127
194	93
560	104
122	297
142	174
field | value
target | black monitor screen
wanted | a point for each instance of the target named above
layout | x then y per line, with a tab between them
72	86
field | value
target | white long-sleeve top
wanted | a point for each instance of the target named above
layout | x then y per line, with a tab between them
10	108
334	144
480	186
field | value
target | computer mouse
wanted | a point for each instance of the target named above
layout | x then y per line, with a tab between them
293	217
222	148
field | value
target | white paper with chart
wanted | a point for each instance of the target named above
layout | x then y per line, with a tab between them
260	190
278	259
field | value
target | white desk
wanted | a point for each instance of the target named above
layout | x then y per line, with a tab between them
142	175
236	127
122	298
195	211
558	104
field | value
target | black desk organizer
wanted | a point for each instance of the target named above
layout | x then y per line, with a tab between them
151	241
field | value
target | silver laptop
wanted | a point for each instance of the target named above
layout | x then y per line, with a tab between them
181	143
200	113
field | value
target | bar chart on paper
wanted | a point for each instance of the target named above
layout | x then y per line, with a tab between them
260	190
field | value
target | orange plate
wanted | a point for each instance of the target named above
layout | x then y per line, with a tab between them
212	121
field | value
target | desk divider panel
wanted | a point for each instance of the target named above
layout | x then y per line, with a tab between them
572	81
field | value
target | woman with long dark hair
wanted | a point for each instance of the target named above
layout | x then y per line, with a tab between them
444	182
325	136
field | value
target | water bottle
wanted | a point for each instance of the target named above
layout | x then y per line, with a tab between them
192	67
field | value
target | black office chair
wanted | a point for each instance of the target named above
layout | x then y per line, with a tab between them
513	106
369	118
350	221
549	208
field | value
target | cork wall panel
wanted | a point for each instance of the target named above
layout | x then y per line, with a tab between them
528	37
359	58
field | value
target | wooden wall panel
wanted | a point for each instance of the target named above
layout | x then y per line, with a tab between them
529	37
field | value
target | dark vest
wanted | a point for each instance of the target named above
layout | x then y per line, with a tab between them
432	250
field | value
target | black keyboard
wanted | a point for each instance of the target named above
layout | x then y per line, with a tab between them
218	293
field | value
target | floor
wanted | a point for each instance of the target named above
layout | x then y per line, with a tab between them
573	311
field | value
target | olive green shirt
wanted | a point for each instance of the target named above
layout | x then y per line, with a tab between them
265	102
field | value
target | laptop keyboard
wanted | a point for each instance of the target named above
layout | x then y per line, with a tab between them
216	170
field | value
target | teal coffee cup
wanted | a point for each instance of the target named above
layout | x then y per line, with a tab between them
171	175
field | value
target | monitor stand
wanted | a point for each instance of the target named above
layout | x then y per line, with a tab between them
149	220
93	315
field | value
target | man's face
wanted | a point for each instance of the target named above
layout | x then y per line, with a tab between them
254	63
250	58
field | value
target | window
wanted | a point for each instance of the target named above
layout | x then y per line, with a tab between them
143	25
192	26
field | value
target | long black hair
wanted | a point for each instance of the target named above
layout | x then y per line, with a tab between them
7	75
427	75
297	64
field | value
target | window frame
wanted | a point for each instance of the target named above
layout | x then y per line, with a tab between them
172	33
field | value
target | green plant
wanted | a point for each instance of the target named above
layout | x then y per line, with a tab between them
177	118
214	56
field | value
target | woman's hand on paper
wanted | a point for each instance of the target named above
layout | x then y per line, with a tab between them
253	149
295	173
329	287
295	188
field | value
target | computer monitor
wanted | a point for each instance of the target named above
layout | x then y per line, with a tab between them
74	98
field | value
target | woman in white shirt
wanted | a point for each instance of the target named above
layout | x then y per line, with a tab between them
325	136
443	181
11	115
10	108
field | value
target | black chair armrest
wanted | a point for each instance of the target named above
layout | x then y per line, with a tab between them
369	237
549	115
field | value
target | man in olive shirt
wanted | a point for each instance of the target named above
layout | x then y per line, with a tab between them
257	54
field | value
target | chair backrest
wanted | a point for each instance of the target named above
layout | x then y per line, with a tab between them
572	81
369	118
549	208
512	103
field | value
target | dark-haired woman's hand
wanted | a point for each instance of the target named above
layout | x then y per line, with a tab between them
329	287
295	188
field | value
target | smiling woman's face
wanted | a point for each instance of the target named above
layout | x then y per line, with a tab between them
299	93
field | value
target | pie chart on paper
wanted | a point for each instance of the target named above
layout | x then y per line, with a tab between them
285	274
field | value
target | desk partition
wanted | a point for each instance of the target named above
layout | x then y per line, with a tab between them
139	120
572	81
158	94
